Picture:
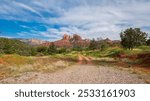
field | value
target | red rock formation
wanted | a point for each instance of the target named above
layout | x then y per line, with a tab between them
66	37
68	41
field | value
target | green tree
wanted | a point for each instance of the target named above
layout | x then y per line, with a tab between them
52	49
33	51
131	38
148	42
77	47
93	44
42	49
62	50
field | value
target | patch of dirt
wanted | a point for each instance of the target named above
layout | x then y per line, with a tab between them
145	59
84	60
78	74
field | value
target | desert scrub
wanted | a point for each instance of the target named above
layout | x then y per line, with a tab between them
144	48
51	67
15	65
104	61
67	57
16	60
112	51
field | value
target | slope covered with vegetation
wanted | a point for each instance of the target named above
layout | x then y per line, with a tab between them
12	46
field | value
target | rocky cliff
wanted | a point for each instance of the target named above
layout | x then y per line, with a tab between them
69	41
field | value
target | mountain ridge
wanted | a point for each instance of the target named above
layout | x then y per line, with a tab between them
66	41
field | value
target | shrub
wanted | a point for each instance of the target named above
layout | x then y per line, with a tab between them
52	49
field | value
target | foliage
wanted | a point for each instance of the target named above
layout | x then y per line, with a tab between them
33	51
131	38
41	50
93	44
148	42
10	46
77	47
62	50
52	49
98	44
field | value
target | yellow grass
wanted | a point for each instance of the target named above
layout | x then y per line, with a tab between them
15	65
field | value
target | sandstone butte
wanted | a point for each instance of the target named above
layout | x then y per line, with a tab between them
69	41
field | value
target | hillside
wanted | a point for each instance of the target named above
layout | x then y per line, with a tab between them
13	46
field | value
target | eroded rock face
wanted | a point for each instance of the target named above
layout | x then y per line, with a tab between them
66	37
76	37
69	41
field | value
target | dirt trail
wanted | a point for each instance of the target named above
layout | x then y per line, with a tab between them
82	72
84	60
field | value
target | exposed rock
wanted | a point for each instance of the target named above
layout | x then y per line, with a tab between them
69	41
107	40
77	37
66	37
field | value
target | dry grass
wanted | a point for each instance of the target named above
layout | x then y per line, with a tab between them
15	65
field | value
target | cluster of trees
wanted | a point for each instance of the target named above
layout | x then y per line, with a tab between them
133	37
130	38
99	44
148	42
9	46
52	49
12	46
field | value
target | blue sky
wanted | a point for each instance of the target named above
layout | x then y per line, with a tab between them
50	19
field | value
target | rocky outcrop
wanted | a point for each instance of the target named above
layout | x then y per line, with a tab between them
111	42
69	41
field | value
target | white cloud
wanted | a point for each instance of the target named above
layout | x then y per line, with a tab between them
26	27
27	7
89	18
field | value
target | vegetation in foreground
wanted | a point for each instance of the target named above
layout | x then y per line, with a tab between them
16	65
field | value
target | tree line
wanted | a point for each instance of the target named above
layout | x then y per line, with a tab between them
13	46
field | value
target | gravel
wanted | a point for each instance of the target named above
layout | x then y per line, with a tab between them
78	74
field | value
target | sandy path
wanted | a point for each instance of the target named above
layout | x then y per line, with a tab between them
84	60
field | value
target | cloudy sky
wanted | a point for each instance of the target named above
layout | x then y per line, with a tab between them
50	19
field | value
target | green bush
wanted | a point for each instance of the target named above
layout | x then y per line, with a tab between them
114	52
52	49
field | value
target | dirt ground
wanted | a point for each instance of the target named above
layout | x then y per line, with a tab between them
83	72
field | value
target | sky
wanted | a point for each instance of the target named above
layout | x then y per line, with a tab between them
51	19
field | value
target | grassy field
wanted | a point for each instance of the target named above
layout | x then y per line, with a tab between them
115	51
15	65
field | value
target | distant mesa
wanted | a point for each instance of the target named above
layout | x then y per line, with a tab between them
32	41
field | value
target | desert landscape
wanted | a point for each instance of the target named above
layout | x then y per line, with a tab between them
74	42
72	62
